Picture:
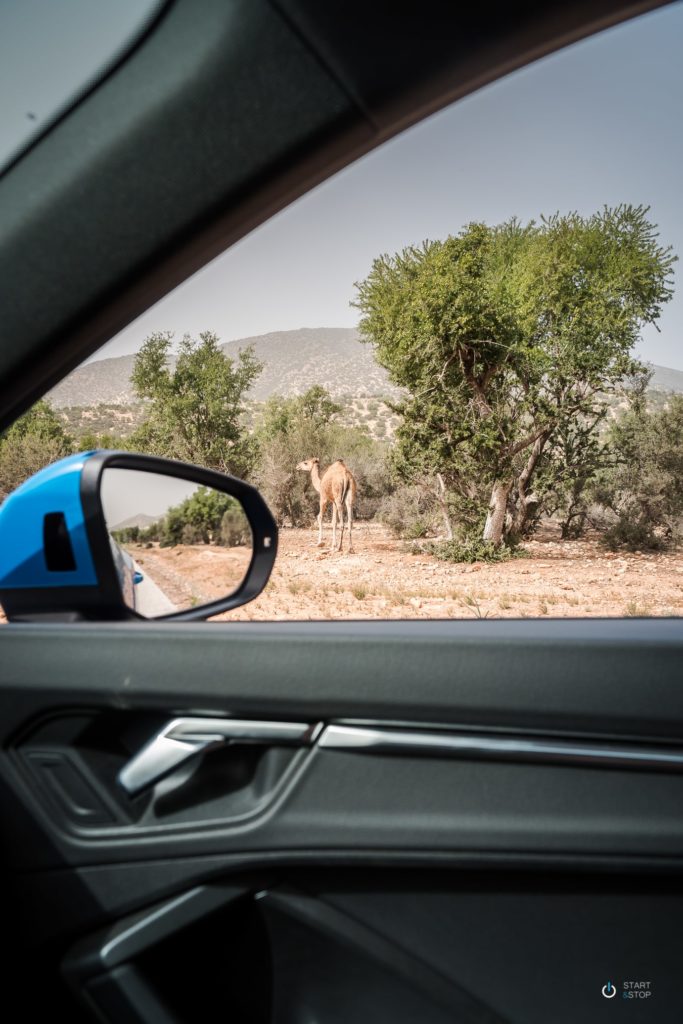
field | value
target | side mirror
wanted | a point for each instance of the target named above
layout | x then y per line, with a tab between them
113	535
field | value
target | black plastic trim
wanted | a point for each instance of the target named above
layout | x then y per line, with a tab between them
110	601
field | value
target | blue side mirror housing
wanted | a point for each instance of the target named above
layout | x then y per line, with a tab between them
59	559
43	535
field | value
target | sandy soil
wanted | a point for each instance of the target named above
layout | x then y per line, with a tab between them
193	574
384	580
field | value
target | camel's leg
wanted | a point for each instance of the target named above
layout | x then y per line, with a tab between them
320	523
349	518
334	526
341	522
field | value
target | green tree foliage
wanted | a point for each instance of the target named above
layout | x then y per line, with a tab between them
293	429
504	335
195	403
641	493
112	442
36	440
206	517
200	519
577	453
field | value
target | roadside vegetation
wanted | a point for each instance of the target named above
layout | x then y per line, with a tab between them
523	404
206	517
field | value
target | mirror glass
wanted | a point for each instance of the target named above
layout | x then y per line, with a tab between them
176	544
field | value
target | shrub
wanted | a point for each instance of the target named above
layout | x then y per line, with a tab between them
640	497
190	534
410	512
633	533
128	535
199	519
469	549
235	530
33	442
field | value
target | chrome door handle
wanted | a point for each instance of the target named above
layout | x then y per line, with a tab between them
184	738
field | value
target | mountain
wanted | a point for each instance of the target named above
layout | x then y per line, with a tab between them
104	381
666	379
293	361
141	520
332	356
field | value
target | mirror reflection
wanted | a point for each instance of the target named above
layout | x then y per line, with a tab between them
175	543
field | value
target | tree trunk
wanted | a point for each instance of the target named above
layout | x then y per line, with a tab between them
495	520
527	504
441	498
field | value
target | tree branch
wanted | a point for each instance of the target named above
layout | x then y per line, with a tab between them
515	449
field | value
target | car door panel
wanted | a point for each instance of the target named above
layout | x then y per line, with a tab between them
363	864
273	794
268	799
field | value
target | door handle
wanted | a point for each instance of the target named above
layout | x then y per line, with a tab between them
184	738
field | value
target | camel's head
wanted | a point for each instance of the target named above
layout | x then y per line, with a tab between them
308	464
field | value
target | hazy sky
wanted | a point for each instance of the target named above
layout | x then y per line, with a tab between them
130	492
597	123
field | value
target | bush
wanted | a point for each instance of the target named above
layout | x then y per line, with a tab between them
199	519
634	535
33	442
235	530
190	534
639	498
128	535
423	509
471	549
410	512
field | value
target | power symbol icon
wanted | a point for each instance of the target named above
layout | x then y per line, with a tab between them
609	991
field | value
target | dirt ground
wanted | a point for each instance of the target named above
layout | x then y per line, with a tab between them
382	579
193	574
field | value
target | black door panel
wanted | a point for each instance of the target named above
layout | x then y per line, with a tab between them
611	677
60	764
354	867
276	800
393	946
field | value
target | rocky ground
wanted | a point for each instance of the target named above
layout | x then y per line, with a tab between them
383	579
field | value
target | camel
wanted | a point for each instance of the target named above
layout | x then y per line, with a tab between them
338	486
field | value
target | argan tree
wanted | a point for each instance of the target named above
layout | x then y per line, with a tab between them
502	336
195	402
